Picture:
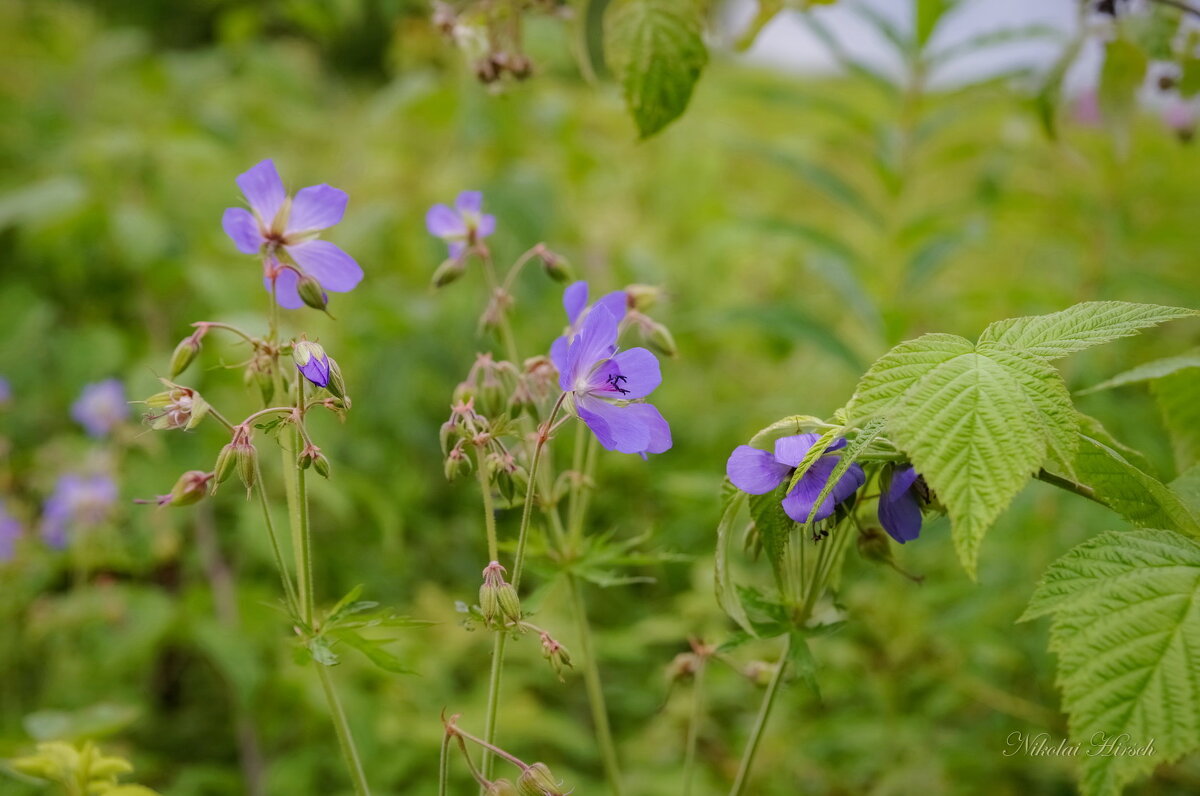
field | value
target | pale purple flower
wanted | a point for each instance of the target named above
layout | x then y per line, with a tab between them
312	361
286	230
900	505
10	532
604	383
575	302
5	392
758	472
463	225
78	502
101	407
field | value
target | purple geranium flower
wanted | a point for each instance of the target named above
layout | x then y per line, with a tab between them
603	381
462	225
312	361
101	407
5	392
900	505
286	229
758	472
10	531
78	501
575	302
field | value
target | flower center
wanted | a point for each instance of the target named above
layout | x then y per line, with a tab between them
614	381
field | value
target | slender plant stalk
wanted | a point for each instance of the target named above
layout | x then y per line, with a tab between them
1063	483
760	723
289	590
342	728
595	692
305	549
693	735
489	514
444	766
493	701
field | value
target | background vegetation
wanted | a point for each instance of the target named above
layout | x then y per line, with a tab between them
799	228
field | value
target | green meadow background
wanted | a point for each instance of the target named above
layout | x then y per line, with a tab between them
798	226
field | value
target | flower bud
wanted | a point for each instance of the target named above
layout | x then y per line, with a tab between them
457	463
494	604
226	460
759	673
489	602
337	384
190	488
185	352
660	337
247	464
685	666
642	297
312	457
555	265
311	293
449	271
536	780
873	545
501	787
510	603
556	654
312	362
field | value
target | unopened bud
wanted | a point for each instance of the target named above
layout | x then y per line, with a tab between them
337	384
226	460
660	337
556	654
449	271
185	352
685	665
510	603
457	463
312	362
642	297
536	780
190	488
489	602
311	293
247	463
759	673
501	787
312	457
555	265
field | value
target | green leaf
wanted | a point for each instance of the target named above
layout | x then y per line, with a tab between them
1178	397
727	597
847	457
976	437
898	370
1148	372
321	652
773	525
1135	495
373	650
1126	627
1079	327
1187	488
658	52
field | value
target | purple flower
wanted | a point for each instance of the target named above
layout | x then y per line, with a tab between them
286	231
900	505
101	407
10	531
462	225
79	501
575	302
312	361
5	392
758	472
603	382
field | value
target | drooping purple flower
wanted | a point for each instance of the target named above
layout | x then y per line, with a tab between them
312	361
575	302
758	472
604	383
78	502
10	531
463	225
286	230
101	407
900	505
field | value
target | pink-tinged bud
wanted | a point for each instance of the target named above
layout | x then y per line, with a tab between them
312	457
759	673
642	297
556	654
190	488
501	787
457	463
536	780
180	407
497	598
449	271
684	667
311	293
184	354
555	265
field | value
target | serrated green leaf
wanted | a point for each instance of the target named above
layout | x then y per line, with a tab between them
898	370
1148	372
658	52
373	650
773	525
1135	495
1126	627
975	436
1178	397
847	457
1079	327
1187	488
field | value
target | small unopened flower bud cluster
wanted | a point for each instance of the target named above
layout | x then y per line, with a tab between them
534	779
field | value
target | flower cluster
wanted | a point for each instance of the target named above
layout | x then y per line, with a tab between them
758	472
78	502
101	407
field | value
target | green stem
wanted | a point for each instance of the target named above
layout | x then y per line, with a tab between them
693	735
595	692
760	723
1081	490
289	589
305	551
489	513
493	700
342	728
444	766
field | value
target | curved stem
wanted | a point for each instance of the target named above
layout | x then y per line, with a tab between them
693	734
489	513
345	740
760	723
226	327
595	692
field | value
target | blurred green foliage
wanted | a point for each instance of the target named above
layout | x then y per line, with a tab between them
800	227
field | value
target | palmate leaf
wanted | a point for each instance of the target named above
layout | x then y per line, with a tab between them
1148	371
658	52
1079	327
1126	629
1137	496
